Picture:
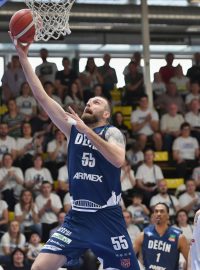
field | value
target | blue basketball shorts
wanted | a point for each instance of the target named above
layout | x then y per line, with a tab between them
104	232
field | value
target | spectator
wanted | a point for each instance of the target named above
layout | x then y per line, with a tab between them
185	151
11	181
136	57
182	82
168	71
132	229
164	196
14	119
61	219
170	124
12	239
134	155
139	211
50	90
147	176
118	121
158	86
26	212
35	175
3	216
193	73
171	96
34	246
49	205
26	103
190	199
109	75
18	260
193	117
194	93
47	70
134	85
64	78
12	79
63	182
145	124
196	177
7	143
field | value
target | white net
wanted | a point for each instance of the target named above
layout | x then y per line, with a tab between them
50	18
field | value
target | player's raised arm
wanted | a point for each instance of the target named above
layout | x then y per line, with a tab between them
54	110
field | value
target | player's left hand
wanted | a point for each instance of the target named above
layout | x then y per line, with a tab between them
22	49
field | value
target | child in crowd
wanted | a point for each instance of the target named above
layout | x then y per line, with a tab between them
34	246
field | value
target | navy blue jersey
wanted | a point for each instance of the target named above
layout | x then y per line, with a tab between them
94	182
161	252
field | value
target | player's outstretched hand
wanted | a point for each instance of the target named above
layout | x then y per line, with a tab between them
22	49
73	119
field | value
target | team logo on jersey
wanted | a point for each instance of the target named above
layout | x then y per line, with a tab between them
172	238
125	263
88	176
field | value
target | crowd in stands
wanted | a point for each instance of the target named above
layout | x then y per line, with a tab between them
33	152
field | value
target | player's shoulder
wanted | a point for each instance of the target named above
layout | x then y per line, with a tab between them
175	230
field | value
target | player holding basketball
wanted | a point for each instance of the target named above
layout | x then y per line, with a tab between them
96	151
161	244
194	254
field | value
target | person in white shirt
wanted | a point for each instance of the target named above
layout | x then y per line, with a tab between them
63	182
185	152
194	93
194	254
145	124
196	177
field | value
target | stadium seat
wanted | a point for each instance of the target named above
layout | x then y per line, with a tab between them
161	156
11	215
174	183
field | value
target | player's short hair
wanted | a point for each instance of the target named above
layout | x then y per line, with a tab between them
162	203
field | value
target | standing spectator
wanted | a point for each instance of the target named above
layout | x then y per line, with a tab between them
193	73
63	182
12	239
147	176
182	82
47	70
26	212
134	85
64	78
11	181
7	143
165	197
170	124
158	86
35	175
18	260
3	216
49	205
108	74
194	93
14	119
12	79
26	103
145	124
34	246
168	71
185	152
190	199
136	57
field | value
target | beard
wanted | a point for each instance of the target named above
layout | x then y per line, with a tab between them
89	119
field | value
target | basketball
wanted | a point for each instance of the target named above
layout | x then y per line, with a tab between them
22	26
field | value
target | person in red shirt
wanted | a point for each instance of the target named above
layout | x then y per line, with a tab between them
168	71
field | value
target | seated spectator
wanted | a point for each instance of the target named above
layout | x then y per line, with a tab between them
145	124
182	82
127	182
196	177
194	93
12	239
147	176
14	119
133	230
134	155
190	199
158	86
61	219
11	181
134	86
3	216
50	90
185	152
170	96
7	143
63	182
26	212
34	246
98	90
18	260
49	205
35	175
163	196
193	117
168	71
170	124
118	121
64	78
139	211
26	103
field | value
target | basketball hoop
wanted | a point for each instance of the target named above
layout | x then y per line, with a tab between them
50	18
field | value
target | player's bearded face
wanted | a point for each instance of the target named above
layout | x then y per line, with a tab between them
89	117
